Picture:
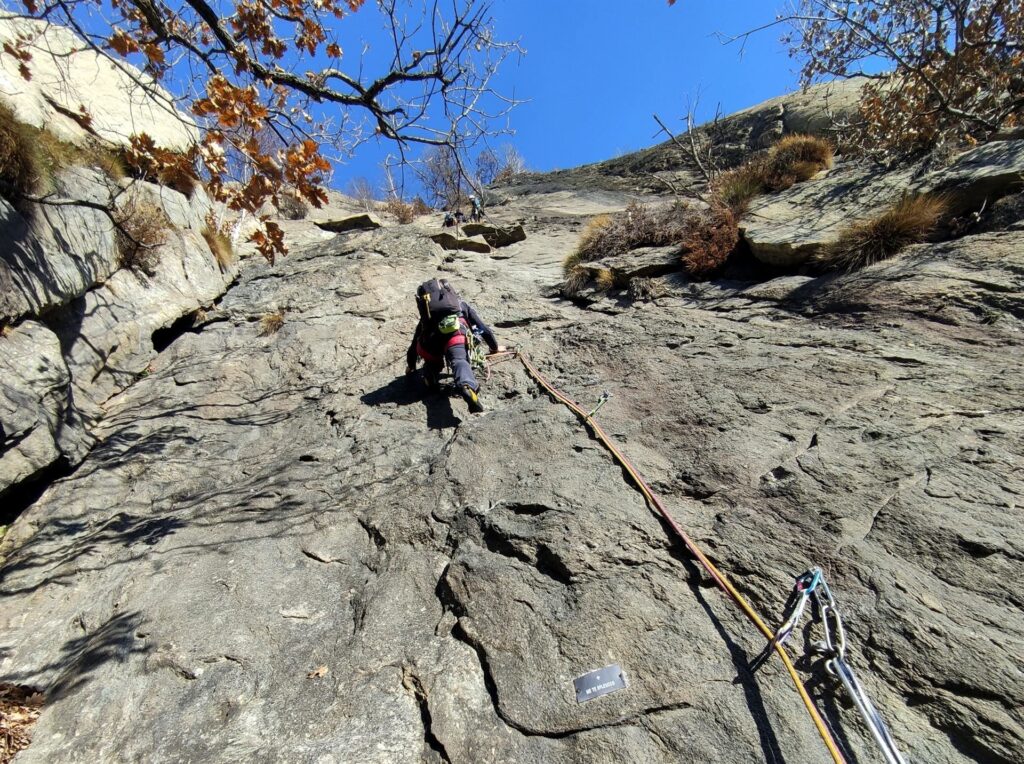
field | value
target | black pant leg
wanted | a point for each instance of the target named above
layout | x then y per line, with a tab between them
458	360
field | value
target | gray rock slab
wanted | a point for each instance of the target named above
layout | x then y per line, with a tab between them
637	263
454	243
100	319
34	408
978	278
283	548
495	236
363	222
66	74
979	176
776	289
56	253
787	228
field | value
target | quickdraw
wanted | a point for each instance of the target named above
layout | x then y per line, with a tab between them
811	586
477	352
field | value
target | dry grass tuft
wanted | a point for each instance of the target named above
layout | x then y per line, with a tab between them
19	157
909	221
571	262
735	189
797	158
576	280
291	207
141	227
643	289
29	157
590	242
792	160
220	244
56	155
711	236
271	323
401	211
605	279
19	709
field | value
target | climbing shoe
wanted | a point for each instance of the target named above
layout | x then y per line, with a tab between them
475	406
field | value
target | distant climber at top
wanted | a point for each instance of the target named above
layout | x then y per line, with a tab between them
446	321
476	212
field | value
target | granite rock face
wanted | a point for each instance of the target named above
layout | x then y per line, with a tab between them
736	136
453	243
284	548
363	222
84	325
78	326
68	76
787	228
495	236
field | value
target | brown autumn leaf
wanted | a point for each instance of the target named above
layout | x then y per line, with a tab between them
318	672
122	43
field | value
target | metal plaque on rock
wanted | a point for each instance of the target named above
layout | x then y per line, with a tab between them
599	682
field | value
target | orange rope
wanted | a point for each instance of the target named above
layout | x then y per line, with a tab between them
719	577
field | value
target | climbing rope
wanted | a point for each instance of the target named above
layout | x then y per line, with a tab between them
691	545
812	587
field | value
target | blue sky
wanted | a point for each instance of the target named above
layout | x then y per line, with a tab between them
596	70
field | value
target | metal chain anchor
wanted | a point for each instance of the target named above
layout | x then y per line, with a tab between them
812	585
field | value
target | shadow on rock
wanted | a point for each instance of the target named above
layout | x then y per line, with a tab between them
751	690
115	640
407	390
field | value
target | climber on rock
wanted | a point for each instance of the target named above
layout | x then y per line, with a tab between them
446	321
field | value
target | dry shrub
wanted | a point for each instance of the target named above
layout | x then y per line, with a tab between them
637	226
794	159
420	207
219	242
909	221
271	323
711	236
291	207
141	227
401	211
706	236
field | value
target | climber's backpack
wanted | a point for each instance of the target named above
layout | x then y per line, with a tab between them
437	300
